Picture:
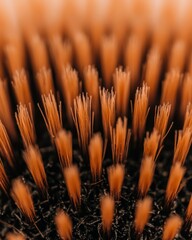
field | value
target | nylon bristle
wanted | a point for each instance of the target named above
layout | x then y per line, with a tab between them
91	81
142	213
70	88
83	120
73	183
107	212
175	177
5	145
109	59
107	110
63	143
146	175
33	159
24	119
188	214
140	111
96	155
52	114
188	118
15	236
21	88
3	178
45	81
183	140
22	197
121	80
64	225
115	177
120	138
172	227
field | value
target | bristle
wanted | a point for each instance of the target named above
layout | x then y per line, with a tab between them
24	119
109	59
107	110
73	183
121	80
5	145
3	178
172	227
142	214
45	81
15	236
120	138
33	159
96	155
63	143
140	111
52	114
175	177
22	197
21	88
91	81
183	140
64	225
188	118
146	175
107	212
83	120
70	88
188	213
115	177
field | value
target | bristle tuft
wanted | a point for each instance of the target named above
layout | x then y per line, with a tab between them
64	225
172	227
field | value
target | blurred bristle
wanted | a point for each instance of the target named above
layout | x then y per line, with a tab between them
188	214
64	225
172	227
15	236
3	178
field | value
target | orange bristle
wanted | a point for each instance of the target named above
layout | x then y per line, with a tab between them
33	159
120	138
5	145
175	177
83	120
3	178
15	236
107	212
22	197
70	88
121	82
140	111
52	114
109	58
21	88
183	140
24	119
73	183
188	118
172	227
142	214
188	213
107	110
45	81
115	177
96	155
63	143
64	225
91	81
146	175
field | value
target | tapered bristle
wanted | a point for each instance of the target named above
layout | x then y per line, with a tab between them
73	183
115	177
121	81
120	137
52	114
188	214
146	175
22	197
175	177
96	155
140	111
107	212
5	145
188	118
15	236
64	225
33	159
3	178
24	119
142	214
83	120
63	143
172	227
